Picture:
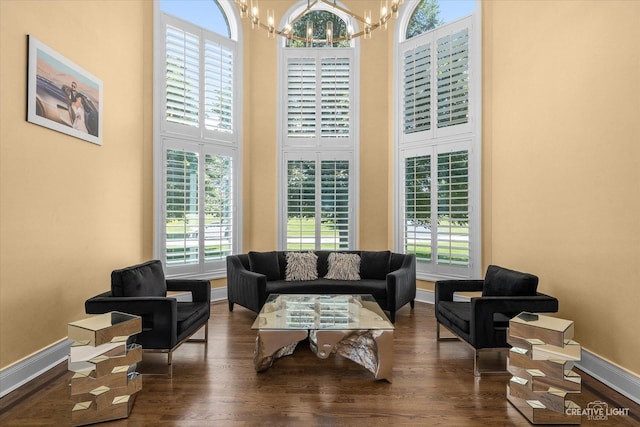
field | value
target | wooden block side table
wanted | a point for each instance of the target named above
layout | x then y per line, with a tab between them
541	361
105	382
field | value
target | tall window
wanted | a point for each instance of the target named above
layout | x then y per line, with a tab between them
438	143
318	141
197	137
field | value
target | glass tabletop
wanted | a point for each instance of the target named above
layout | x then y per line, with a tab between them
321	312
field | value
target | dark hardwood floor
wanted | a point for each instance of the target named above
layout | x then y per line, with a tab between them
433	384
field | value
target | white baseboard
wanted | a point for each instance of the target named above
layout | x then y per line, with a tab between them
604	371
24	371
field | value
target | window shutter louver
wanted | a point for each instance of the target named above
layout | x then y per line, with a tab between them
301	97
301	196
453	208
417	89
453	79
218	225
335	92
218	86
334	188
417	218
182	103
182	207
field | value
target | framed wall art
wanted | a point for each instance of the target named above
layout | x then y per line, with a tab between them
63	96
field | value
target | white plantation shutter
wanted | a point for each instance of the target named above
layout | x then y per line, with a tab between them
301	97
453	79
197	189
318	148
334	97
218	87
199	82
301	198
319	88
335	208
417	207
438	223
417	89
182	103
453	208
436	207
182	207
318	204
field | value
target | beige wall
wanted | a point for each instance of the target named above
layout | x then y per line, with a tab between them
560	161
70	210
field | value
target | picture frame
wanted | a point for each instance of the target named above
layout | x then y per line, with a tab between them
63	96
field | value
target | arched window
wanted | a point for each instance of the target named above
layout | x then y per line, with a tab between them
438	138
320	20
430	14
207	14
318	141
197	136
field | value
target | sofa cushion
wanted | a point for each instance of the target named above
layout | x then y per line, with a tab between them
265	263
395	261
377	288
374	265
501	281
301	266
142	280
343	266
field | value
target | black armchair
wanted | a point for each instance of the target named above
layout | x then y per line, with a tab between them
483	321
166	323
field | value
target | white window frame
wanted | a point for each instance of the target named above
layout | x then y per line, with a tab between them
198	139
318	148
437	140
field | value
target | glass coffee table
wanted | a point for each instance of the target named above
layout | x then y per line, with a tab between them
353	326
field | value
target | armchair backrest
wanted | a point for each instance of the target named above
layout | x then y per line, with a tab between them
142	280
500	281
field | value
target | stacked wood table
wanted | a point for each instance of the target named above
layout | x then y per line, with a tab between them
541	361
105	382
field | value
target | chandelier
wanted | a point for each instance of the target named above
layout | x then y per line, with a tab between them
249	9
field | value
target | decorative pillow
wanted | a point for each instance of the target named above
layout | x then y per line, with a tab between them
301	266
343	266
374	265
142	280
265	263
501	281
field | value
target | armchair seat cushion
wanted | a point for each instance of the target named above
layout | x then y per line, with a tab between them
459	313
190	313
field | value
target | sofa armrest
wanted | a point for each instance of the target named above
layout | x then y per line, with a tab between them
483	309
159	316
244	287
446	288
200	289
401	285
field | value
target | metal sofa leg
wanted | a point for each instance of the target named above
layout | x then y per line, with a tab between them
439	338
476	368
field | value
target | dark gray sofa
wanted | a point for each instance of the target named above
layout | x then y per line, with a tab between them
392	283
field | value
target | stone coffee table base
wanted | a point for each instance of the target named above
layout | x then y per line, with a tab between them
372	349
